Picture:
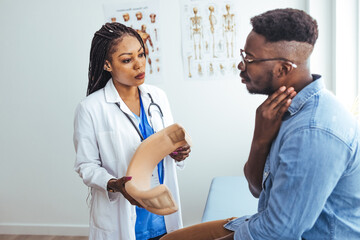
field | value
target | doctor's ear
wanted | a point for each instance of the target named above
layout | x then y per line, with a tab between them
107	66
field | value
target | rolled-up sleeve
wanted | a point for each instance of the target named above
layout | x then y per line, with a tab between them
241	228
308	166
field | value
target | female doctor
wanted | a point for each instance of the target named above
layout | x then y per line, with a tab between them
110	123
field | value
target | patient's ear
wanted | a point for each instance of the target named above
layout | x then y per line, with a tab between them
284	68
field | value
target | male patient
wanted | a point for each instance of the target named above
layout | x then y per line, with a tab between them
304	164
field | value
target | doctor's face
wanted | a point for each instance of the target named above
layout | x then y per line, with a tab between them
127	62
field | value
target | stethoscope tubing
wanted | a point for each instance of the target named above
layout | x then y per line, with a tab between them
149	113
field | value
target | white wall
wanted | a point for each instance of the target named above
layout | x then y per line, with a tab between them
347	40
323	57
44	48
336	54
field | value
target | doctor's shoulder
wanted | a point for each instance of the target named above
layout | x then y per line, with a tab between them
92	102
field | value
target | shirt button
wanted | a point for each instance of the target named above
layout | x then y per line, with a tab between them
266	174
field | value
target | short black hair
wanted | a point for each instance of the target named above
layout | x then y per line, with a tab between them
286	25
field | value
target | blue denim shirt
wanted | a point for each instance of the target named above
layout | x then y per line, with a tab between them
311	181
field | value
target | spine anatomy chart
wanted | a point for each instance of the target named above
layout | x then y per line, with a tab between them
144	18
209	39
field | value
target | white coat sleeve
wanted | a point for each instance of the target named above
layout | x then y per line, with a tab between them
88	161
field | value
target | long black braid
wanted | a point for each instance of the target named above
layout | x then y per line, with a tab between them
102	47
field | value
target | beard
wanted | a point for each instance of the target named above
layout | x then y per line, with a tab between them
267	89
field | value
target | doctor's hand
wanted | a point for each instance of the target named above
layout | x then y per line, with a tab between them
269	114
181	153
118	185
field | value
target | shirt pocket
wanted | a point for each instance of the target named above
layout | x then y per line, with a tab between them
113	197
100	213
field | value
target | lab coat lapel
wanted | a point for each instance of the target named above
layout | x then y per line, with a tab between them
112	96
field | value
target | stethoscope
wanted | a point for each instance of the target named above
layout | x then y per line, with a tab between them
155	107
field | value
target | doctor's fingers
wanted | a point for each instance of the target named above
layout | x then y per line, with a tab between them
183	148
131	199
180	153
121	185
180	157
184	156
185	153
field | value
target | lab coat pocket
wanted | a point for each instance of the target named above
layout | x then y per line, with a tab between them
101	214
113	196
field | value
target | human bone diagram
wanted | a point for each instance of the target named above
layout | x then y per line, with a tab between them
144	18
209	39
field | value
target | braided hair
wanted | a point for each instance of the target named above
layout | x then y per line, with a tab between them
102	47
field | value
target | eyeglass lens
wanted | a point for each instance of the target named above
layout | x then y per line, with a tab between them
242	64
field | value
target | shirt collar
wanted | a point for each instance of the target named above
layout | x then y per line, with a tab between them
306	93
144	91
112	96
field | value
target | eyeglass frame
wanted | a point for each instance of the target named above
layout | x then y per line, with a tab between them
245	61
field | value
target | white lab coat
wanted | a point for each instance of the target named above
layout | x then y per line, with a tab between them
105	142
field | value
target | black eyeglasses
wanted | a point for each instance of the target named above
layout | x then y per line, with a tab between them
244	60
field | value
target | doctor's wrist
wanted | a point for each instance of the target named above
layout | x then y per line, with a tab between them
111	185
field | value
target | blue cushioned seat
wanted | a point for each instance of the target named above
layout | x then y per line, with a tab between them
229	196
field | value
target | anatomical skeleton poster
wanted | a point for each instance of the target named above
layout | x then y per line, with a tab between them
144	18
209	39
